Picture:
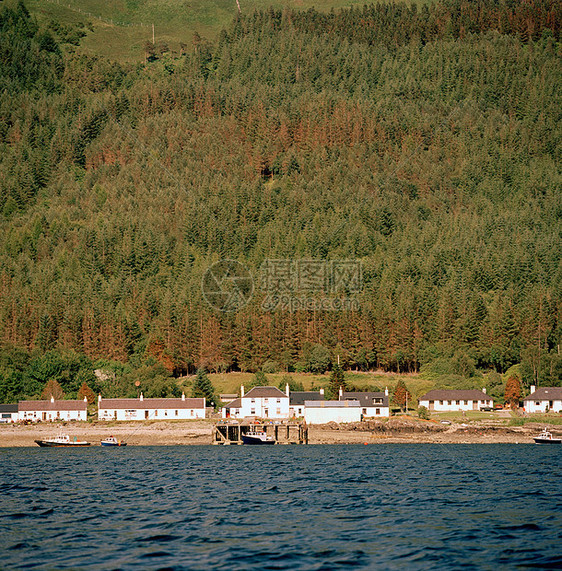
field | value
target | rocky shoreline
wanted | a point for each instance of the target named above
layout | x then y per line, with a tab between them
395	430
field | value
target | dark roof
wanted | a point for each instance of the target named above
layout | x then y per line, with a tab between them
8	407
298	397
28	405
236	403
366	399
455	394
332	404
264	392
546	393
152	403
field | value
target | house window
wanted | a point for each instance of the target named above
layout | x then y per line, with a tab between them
155	413
377	411
458	402
176	413
538	403
364	411
442	402
278	411
265	401
253	401
252	411
278	401
192	412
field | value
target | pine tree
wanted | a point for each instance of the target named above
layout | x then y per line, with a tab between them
337	381
202	387
401	395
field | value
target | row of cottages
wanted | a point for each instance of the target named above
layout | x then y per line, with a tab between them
543	399
439	400
271	402
53	410
151	408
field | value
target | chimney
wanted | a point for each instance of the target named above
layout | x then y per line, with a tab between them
241	391
85	400
484	390
341	393
322	392
141	398
99	399
533	389
52	398
183	396
385	391
287	389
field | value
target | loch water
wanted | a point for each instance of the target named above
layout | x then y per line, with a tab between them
383	506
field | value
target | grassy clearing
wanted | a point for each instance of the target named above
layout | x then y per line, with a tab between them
121	27
555	419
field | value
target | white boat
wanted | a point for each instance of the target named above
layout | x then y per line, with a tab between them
62	440
255	437
112	441
546	437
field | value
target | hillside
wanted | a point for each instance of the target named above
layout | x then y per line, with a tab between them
421	145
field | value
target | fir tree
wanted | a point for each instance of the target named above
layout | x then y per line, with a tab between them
202	387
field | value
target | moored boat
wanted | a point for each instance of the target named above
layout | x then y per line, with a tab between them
546	437
255	437
112	441
62	440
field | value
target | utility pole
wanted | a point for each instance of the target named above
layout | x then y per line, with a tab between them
152	34
238	4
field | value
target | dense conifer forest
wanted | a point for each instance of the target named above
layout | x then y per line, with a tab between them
422	142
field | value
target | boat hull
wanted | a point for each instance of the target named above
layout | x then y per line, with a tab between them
113	443
50	444
255	440
547	440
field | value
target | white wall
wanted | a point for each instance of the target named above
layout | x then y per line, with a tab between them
451	405
541	406
52	415
375	411
265	407
150	414
325	414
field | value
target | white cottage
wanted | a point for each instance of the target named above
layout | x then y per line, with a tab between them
298	398
53	410
445	400
544	399
151	409
322	412
373	404
9	413
262	402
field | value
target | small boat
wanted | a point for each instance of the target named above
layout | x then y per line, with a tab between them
255	437
60	441
112	441
546	437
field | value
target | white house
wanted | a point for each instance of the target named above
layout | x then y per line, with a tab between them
322	412
263	402
373	404
51	410
544	399
298	398
9	413
445	400
151	409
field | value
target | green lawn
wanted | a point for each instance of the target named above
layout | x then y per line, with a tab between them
121	27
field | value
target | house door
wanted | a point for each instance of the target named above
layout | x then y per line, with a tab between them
44	416
145	414
266	412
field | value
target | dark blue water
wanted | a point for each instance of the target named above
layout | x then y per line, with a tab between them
387	506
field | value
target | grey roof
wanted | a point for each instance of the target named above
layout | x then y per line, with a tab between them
236	403
455	394
299	397
332	404
151	403
29	405
265	392
546	393
366	399
9	407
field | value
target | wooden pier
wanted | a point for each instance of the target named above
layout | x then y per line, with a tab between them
227	433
